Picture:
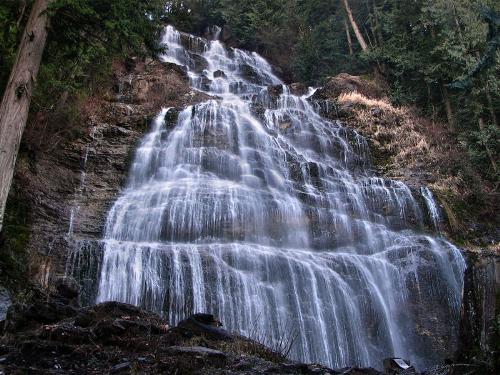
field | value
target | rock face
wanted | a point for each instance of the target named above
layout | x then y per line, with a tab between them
70	188
5	302
479	328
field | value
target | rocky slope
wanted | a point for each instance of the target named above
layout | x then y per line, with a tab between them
53	335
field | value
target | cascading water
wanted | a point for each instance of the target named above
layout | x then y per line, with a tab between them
432	207
253	207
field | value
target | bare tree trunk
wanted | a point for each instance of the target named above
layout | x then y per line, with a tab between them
17	96
349	40
378	29
22	9
429	99
448	107
488	150
355	27
491	107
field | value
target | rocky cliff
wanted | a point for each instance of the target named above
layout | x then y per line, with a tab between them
67	189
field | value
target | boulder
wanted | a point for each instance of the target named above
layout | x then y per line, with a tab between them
205	325
397	366
298	88
219	74
345	83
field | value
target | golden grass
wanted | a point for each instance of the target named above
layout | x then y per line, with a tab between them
356	98
398	130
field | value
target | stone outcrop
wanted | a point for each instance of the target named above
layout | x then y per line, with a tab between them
70	188
480	320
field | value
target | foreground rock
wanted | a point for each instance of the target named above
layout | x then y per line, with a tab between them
53	335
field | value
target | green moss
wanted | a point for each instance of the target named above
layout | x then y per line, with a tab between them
13	240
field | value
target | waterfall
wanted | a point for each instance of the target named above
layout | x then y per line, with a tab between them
432	207
253	207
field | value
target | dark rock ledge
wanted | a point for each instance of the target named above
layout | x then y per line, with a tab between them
54	335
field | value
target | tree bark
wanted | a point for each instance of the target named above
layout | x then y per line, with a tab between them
349	40
355	27
15	104
487	148
448	107
491	107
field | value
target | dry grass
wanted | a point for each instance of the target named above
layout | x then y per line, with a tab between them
407	140
355	98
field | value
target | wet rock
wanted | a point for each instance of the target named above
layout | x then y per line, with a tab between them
479	335
197	63
192	43
171	118
397	366
275	90
205	82
5	302
121	367
298	89
219	74
248	73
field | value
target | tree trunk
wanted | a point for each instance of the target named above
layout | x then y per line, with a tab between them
448	107
349	40
487	148
17	96
491	107
354	26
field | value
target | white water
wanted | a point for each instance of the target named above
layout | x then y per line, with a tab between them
432	207
258	210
